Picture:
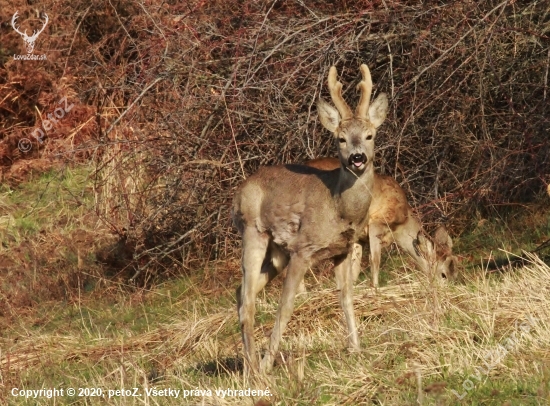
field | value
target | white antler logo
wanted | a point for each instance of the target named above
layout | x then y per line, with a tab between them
29	41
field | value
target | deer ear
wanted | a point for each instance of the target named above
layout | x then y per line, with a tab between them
378	110
443	238
422	246
329	116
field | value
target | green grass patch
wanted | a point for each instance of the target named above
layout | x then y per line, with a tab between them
58	199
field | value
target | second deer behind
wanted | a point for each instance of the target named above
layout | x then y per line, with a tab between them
391	219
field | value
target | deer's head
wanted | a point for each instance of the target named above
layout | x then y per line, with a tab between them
438	252
355	133
29	41
446	262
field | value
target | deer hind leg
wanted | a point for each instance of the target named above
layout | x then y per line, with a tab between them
297	268
254	260
274	262
344	272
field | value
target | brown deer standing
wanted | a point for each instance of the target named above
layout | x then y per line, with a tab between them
298	215
391	219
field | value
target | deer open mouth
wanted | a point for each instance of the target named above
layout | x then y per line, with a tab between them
357	161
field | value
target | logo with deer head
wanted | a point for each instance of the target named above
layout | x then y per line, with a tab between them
29	41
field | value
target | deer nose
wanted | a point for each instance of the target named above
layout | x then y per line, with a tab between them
357	159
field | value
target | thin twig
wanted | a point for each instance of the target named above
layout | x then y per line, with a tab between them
442	56
74	37
132	105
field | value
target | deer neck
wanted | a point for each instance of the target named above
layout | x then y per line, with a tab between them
353	194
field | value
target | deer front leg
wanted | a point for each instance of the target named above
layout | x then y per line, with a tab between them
344	274
356	260
356	257
301	287
376	233
297	268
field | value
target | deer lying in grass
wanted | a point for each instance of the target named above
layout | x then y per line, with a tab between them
391	219
299	215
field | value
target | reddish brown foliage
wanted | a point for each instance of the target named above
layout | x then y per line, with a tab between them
236	88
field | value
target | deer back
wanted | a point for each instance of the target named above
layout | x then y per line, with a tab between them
308	210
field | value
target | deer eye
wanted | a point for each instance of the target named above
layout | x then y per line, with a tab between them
342	140
369	137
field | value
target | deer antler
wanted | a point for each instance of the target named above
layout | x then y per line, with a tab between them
366	89
335	88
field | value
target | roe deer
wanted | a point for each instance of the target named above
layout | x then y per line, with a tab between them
296	215
391	219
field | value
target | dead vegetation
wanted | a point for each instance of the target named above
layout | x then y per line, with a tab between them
177	103
411	352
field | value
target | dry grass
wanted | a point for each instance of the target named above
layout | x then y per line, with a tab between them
193	342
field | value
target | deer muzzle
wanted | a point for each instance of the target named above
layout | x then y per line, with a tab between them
357	160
